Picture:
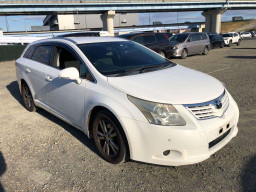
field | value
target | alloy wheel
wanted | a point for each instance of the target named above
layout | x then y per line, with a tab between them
184	54
27	98
107	137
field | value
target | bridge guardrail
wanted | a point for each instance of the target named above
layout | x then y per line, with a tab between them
108	1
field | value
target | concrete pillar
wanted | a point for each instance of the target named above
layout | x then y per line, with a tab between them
108	21
213	20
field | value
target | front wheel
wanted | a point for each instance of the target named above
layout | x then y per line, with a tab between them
109	137
184	54
206	50
162	54
27	98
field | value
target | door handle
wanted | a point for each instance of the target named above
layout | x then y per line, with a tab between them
48	78
28	70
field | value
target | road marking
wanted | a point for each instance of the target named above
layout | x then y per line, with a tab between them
219	70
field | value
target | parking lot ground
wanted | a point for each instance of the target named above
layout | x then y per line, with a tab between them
39	152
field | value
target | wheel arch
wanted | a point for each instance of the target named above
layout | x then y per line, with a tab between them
22	81
92	114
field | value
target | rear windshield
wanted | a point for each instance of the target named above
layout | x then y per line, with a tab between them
211	36
226	35
115	58
179	38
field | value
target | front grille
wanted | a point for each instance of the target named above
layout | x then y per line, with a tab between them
219	139
210	109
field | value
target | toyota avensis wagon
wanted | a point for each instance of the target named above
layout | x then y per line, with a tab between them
134	103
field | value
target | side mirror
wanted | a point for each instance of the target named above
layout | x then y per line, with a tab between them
189	40
70	73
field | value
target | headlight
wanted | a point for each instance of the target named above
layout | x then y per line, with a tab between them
157	113
176	46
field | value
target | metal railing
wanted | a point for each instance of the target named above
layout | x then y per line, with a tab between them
110	1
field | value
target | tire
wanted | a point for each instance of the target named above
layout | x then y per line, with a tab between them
222	45
206	50
230	43
109	138
27	98
162	54
184	54
238	43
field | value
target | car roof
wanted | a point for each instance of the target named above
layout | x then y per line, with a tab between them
136	33
82	40
85	40
189	33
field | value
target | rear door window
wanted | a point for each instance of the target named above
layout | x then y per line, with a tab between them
42	54
161	38
193	37
138	39
149	39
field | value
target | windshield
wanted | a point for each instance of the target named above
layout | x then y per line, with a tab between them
122	58
226	35
179	38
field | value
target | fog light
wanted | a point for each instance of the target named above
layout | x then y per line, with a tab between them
167	152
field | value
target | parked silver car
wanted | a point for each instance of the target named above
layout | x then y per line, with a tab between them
185	44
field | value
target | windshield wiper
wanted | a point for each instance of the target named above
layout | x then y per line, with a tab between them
138	70
153	67
128	72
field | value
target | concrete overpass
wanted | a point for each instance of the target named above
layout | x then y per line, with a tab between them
212	9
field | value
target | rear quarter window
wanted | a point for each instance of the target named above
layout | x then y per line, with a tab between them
205	36
29	52
42	54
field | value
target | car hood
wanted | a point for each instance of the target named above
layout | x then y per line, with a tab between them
175	85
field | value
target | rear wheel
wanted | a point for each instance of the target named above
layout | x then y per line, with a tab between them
162	54
27	98
206	50
109	137
222	45
238	43
230	43
184	53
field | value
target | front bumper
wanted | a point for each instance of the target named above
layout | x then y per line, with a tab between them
187	144
226	41
175	52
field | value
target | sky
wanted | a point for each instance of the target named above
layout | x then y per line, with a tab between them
18	23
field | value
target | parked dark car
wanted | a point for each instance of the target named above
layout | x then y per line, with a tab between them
158	42
169	35
216	40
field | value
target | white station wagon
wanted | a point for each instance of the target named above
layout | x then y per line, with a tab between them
134	103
